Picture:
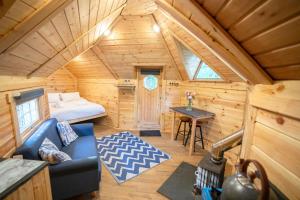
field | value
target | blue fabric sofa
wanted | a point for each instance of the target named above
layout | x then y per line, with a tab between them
80	175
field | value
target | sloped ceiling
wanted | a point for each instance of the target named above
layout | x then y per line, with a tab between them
267	30
13	12
72	27
38	37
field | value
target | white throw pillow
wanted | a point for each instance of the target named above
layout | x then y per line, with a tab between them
66	133
49	152
71	96
53	97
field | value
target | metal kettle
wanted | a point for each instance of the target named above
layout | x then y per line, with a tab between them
241	185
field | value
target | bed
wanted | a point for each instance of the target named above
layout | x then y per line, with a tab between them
73	108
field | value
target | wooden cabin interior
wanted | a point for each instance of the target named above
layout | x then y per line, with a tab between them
149	67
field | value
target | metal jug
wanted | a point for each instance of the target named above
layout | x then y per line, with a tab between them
241	185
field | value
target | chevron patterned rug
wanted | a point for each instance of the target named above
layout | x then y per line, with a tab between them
127	156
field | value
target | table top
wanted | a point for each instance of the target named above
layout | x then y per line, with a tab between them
194	113
15	172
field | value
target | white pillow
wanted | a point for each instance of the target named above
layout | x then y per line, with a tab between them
53	97
49	152
66	133
71	96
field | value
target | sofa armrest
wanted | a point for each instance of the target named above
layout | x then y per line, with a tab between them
74	166
83	129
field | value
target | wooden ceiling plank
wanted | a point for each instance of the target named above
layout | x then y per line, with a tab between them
6	5
289	55
19	11
40	69
72	14
229	51
267	15
277	37
291	72
37	42
235	10
84	12
32	23
48	32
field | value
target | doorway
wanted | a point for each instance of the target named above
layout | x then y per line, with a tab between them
148	98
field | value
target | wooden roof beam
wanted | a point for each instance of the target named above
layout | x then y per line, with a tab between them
218	41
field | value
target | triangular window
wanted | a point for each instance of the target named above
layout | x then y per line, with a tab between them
195	67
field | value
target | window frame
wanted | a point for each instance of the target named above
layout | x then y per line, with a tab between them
21	137
180	47
34	123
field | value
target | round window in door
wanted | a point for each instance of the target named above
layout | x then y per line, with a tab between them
150	82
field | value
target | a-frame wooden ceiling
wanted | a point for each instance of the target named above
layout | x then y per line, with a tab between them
65	29
254	41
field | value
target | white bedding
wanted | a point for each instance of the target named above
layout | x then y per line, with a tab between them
71	110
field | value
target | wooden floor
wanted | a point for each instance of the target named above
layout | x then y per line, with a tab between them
145	185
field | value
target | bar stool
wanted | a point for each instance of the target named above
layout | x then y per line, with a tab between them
198	138
185	120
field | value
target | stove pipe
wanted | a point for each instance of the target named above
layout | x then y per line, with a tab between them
227	143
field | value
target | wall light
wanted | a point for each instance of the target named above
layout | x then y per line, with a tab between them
107	32
156	28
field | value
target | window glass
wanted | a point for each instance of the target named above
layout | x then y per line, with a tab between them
192	65
205	72
28	114
150	82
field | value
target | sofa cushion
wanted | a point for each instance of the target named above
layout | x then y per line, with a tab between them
66	133
49	152
82	147
30	147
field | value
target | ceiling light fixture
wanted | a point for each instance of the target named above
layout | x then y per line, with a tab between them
107	32
156	28
77	58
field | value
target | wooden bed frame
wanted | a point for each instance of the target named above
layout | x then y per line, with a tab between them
86	118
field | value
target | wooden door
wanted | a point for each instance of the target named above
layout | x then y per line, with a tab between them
148	102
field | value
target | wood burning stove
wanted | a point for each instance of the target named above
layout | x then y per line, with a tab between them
210	170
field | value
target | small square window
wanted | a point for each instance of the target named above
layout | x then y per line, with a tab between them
28	114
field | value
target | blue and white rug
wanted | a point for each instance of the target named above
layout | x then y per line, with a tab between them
127	156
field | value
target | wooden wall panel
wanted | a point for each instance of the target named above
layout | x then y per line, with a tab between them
139	7
8	86
134	43
89	65
127	106
104	92
272	136
227	101
61	81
